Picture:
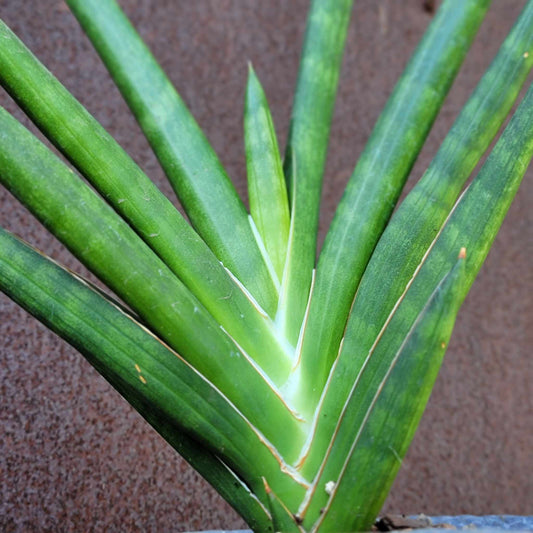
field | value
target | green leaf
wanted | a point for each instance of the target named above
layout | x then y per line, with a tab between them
480	211
187	409
365	356
123	184
472	226
305	156
214	471
387	422
186	156
267	191
422	214
110	248
378	179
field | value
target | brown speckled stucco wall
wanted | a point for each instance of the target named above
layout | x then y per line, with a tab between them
73	455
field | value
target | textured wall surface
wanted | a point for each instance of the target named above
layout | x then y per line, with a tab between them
75	457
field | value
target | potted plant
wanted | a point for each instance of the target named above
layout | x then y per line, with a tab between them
295	390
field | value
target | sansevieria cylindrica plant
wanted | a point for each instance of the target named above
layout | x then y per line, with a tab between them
293	384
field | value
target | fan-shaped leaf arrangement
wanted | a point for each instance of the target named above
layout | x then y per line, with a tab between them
293	387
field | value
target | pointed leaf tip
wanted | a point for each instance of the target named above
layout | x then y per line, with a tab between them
269	205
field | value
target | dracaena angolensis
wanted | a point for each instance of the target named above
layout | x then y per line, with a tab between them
293	386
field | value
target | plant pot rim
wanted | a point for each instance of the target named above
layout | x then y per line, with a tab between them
479	523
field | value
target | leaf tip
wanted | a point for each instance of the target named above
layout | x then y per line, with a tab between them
251	71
